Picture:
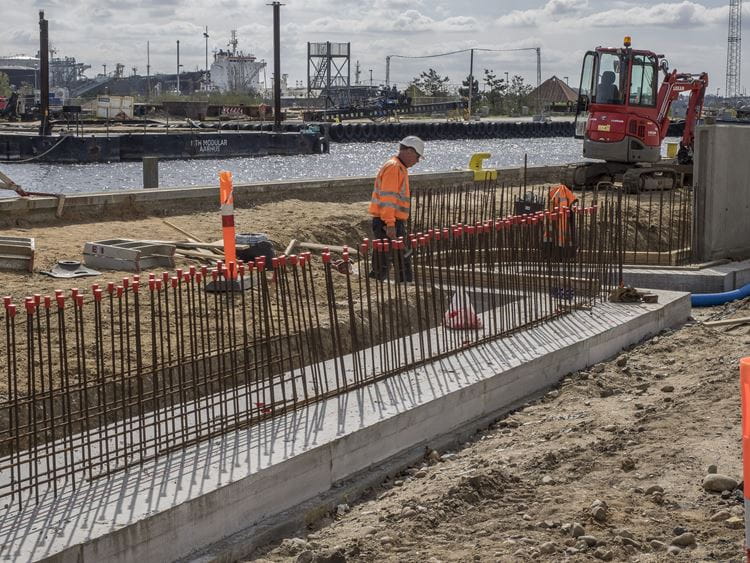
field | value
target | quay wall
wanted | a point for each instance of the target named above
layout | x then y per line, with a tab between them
116	205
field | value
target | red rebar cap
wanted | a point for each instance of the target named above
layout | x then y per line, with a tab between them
192	271
60	301
98	293
79	301
152	284
7	300
136	286
136	278
151	276
326	257
198	277
165	277
120	289
73	292
345	256
111	287
125	282
30	307
174	281
37	299
11	311
293	259
47	301
158	285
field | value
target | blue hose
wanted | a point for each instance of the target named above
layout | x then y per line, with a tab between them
711	299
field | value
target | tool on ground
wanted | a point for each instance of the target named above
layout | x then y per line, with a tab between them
7	184
628	294
188	234
70	269
724	322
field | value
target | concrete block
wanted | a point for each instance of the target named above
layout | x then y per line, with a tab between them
722	190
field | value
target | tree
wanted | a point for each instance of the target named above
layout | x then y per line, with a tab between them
518	90
476	96
495	91
431	83
5	89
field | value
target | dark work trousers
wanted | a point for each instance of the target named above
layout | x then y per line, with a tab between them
381	261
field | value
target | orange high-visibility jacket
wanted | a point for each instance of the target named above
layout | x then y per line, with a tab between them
391	196
561	196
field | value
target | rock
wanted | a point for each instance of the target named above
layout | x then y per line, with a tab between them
305	557
599	510
631	542
293	546
577	530
720	516
684	540
716	482
657	545
420	474
548	547
712	468
333	555
342	509
433	456
667	389
386	540
623	533
610	428
547	480
674	550
735	523
622	361
627	464
591	541
398	483
603	554
654	489
408	512
554	394
678	530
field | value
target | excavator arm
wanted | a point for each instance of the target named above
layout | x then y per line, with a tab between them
675	84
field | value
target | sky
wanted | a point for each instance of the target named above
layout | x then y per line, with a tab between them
691	34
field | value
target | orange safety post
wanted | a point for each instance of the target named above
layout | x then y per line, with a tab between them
745	398
226	199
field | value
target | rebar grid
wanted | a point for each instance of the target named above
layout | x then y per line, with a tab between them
656	224
103	381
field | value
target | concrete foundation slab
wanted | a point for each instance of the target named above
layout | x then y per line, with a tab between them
713	279
173	507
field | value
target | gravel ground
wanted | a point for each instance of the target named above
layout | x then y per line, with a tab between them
613	465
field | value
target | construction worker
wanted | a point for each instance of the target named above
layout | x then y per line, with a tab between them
561	231
391	203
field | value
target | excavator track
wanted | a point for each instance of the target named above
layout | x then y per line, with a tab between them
637	180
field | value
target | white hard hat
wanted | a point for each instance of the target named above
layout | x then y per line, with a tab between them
414	142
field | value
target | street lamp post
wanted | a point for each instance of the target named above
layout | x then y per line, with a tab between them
208	81
506	78
370	77
178	67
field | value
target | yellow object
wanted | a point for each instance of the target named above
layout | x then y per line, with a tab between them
672	149
626	41
603	127
475	165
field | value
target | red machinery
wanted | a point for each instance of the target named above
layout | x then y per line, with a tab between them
623	118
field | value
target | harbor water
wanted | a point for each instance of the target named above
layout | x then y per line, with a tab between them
345	159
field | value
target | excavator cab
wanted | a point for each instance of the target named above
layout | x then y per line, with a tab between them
617	114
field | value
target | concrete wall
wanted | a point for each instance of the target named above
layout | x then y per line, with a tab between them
174	201
721	224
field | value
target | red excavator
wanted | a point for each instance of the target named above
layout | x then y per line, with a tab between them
623	117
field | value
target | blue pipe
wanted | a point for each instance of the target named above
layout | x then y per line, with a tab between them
711	299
